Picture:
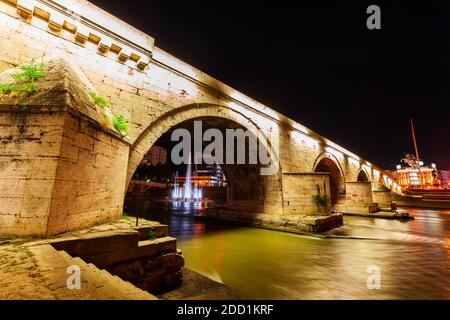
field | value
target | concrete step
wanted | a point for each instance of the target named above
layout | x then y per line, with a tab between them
134	292
53	266
158	231
164	244
141	293
125	288
114	289
65	255
96	284
80	262
119	287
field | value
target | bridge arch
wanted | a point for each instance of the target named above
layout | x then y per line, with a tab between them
363	176
248	189
327	162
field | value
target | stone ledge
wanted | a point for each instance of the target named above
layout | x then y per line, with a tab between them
392	215
97	242
294	223
94	28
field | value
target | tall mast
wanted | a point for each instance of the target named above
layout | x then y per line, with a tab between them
417	151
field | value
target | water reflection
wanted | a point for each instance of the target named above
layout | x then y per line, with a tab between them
263	264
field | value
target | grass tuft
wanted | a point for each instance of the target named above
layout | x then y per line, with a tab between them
99	100
120	124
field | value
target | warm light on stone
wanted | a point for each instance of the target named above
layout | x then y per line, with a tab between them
25	8
56	22
63	179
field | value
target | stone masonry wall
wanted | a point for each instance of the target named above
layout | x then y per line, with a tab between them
359	197
90	178
382	197
299	189
58	172
29	155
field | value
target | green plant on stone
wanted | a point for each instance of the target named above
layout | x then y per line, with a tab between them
382	187
151	235
120	124
125	216
30	72
4	88
99	100
320	200
25	81
28	88
23	104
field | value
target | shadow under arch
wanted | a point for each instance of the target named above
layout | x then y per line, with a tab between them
328	163
248	189
362	176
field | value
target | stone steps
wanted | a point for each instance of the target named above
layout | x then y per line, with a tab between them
96	284
115	286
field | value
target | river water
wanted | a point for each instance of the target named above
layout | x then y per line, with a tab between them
413	256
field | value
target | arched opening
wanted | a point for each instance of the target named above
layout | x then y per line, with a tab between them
337	184
362	176
235	186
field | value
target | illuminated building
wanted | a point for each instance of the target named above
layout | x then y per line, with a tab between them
423	177
206	175
445	177
156	155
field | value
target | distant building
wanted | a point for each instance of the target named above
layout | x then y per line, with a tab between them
205	175
156	155
413	178
445	175
212	174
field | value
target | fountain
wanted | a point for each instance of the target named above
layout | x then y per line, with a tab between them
187	193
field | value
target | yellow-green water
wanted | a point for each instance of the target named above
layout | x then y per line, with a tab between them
256	263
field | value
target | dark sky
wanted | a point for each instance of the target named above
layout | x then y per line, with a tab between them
318	64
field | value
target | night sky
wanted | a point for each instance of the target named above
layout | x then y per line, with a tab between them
318	64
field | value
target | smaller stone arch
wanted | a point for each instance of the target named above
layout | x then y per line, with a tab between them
328	163
173	117
248	189
362	176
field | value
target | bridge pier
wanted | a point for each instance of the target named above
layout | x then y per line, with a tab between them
299	190
60	170
359	197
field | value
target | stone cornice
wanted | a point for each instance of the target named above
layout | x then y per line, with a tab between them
89	23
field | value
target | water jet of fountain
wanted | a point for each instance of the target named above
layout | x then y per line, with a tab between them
188	192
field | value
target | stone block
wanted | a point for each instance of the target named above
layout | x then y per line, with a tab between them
167	244
158	230
145	250
95	243
35	207
129	270
10	206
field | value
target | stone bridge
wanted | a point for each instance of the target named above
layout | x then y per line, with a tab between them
64	166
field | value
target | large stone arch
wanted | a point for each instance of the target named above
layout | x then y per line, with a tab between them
327	162
248	189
